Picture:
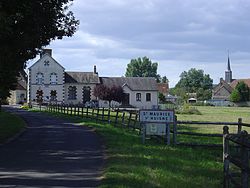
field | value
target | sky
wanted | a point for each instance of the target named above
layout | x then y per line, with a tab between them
177	34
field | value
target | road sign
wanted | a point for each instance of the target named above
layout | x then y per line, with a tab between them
157	116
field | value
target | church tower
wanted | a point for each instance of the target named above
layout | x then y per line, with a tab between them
228	72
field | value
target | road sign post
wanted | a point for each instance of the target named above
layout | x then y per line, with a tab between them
156	122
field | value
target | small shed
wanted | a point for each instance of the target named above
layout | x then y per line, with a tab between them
192	100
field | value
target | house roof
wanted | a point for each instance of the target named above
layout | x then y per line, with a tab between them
46	55
21	81
134	83
235	82
81	77
20	87
222	84
163	87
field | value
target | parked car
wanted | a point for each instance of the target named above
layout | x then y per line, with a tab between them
92	104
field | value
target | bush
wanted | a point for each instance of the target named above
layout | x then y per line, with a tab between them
25	106
187	109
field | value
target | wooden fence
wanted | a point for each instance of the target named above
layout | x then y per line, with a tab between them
236	164
130	119
209	125
117	117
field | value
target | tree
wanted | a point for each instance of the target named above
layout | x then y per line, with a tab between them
235	96
142	67
192	81
162	98
113	93
240	93
26	27
164	79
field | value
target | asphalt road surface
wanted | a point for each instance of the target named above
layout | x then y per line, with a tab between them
51	152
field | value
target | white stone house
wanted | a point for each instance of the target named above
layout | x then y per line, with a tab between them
19	95
48	77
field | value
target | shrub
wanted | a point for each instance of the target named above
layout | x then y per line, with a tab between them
187	109
25	106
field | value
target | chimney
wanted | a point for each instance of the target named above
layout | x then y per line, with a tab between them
46	51
95	70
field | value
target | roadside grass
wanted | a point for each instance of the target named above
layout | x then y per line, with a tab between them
132	164
10	125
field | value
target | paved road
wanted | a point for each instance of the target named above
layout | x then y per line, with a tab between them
51	153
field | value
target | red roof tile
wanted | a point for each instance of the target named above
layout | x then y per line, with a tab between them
235	82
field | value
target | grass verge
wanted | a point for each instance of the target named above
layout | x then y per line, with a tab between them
10	125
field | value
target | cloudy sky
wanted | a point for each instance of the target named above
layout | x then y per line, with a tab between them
178	34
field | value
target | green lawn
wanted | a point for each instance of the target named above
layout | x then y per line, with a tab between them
221	114
10	125
212	114
132	164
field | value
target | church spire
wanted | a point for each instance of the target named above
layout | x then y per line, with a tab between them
228	63
228	72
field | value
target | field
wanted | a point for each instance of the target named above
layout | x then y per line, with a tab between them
10	125
221	114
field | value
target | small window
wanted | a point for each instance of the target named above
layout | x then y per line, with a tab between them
46	63
53	78
39	78
148	96
72	93
53	95
138	96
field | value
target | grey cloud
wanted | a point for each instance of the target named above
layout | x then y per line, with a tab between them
187	33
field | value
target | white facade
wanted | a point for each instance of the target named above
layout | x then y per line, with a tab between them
79	93
142	99
46	75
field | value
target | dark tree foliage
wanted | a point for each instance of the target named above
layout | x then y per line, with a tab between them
240	93
116	93
26	27
195	81
113	93
164	79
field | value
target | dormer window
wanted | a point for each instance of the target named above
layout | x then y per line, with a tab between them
39	78
53	78
46	63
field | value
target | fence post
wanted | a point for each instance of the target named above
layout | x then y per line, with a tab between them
226	157
102	114
116	117
123	115
175	130
136	116
109	121
93	110
97	114
129	119
78	110
87	112
82	111
239	125
244	160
